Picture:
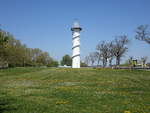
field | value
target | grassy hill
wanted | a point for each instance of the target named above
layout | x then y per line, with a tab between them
58	90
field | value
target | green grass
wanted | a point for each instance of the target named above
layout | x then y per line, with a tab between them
58	90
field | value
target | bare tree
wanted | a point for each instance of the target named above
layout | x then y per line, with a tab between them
103	49
93	58
98	57
87	60
120	47
110	53
143	34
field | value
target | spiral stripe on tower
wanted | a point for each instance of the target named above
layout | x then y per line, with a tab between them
76	45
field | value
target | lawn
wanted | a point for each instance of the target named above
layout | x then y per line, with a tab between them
85	90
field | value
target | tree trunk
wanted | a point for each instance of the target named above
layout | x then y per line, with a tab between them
92	63
117	61
110	62
23	63
104	62
98	61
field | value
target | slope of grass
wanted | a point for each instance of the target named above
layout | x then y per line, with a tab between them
58	90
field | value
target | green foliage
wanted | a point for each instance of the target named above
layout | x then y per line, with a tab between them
67	90
53	63
83	64
4	36
15	54
66	60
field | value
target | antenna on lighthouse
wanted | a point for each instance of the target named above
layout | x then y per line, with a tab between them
76	44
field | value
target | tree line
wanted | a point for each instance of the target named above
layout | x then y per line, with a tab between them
106	52
13	53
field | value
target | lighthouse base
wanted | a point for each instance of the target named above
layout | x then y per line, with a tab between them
76	62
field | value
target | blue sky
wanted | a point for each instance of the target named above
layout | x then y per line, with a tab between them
45	24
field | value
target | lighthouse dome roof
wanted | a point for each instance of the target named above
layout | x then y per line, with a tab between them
76	24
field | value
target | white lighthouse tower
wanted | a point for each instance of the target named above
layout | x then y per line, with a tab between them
76	45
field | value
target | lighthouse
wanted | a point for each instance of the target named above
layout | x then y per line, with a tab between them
76	45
